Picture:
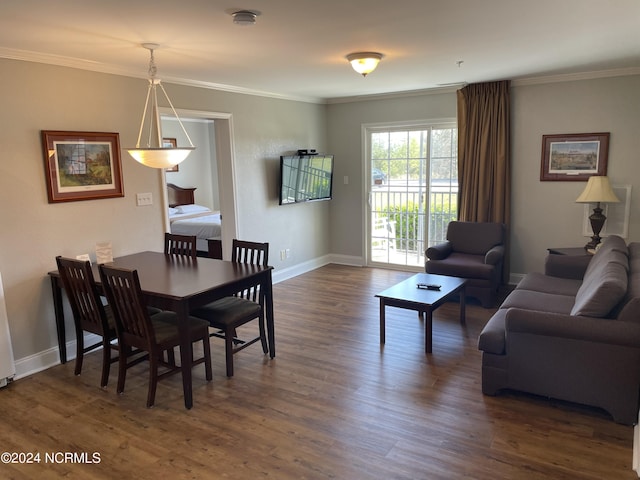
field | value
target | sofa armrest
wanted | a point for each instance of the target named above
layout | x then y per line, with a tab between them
495	255
439	251
566	266
597	330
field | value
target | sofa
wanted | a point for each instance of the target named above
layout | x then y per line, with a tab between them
475	251
571	333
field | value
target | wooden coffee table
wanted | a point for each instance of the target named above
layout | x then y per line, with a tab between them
406	294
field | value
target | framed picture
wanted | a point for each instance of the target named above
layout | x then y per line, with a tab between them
170	143
574	157
82	165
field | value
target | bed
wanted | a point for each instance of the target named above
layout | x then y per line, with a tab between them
188	218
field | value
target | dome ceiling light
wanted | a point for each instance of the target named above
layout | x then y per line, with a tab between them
245	17
364	62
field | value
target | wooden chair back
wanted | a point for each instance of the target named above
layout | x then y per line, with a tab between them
124	294
254	253
86	305
184	245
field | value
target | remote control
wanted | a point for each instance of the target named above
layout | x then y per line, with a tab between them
429	286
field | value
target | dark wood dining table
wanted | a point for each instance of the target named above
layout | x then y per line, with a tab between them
181	284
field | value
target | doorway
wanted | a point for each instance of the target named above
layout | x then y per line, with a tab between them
222	150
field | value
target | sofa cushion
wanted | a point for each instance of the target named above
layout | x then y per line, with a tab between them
538	301
539	282
629	309
461	265
602	291
613	249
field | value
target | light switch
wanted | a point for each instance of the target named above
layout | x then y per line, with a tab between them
144	199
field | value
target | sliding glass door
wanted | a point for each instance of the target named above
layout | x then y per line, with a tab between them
412	193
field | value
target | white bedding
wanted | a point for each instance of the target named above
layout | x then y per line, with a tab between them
204	225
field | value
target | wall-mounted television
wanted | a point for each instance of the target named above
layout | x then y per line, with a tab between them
305	178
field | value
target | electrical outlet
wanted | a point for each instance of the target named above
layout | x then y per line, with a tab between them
287	253
143	199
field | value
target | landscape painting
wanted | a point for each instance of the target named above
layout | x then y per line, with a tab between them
574	156
82	165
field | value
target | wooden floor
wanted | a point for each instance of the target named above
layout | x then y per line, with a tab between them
332	404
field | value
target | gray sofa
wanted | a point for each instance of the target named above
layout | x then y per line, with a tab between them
572	333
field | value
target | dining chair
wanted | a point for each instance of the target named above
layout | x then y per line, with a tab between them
180	245
153	334
89	313
227	314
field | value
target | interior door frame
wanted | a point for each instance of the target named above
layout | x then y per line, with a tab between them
225	156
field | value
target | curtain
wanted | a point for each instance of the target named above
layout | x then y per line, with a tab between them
483	153
484	177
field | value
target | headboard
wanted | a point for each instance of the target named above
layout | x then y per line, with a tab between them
180	196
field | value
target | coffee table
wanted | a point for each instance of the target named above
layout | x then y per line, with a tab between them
406	294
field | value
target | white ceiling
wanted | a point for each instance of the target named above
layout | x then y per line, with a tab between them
297	47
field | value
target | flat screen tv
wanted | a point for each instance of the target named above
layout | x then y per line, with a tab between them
305	178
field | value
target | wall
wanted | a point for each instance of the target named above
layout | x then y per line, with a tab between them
40	97
345	122
544	214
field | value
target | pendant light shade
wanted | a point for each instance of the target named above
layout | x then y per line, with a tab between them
153	153
364	62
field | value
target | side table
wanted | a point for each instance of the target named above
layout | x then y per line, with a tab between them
571	251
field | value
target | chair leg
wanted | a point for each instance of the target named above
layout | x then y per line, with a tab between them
124	353
263	336
106	362
153	378
206	347
228	350
79	352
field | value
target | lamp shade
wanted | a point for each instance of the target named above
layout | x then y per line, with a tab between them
598	189
364	62
160	157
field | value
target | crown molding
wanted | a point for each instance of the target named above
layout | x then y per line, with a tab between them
572	77
84	64
90	65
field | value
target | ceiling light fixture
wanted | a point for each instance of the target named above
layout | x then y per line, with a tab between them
364	62
154	154
244	17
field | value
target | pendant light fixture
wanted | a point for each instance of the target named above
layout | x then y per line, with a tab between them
364	62
153	154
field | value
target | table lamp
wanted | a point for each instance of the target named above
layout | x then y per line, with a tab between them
598	190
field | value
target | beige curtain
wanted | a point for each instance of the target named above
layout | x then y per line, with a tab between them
483	153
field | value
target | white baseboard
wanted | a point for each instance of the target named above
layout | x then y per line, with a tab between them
49	358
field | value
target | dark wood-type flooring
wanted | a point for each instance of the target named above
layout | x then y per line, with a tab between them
332	404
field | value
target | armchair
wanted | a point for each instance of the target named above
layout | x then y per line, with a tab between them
474	251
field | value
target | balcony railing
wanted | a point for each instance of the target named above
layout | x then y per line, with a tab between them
399	214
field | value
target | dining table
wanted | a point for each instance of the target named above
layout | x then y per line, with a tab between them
181	284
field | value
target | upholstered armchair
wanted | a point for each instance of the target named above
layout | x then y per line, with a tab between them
474	251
